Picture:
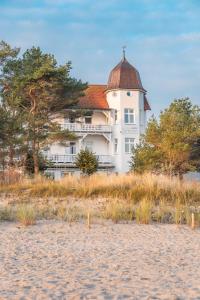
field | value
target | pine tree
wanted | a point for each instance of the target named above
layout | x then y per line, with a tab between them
10	120
43	91
7	53
87	162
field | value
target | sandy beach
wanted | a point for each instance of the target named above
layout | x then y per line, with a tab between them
53	260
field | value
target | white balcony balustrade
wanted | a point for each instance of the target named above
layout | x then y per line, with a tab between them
69	159
80	127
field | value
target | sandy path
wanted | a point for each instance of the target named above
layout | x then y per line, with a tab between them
52	260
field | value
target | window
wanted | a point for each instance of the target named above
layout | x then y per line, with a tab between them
114	94
88	120
116	146
89	145
72	120
129	117
129	144
71	148
128	94
115	115
66	120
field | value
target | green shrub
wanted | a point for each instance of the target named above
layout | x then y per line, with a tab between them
87	162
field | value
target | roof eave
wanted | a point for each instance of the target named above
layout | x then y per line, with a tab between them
125	89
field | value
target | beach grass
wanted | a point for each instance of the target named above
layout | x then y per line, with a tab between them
143	198
26	215
143	212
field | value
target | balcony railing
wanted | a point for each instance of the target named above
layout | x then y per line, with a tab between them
69	159
78	127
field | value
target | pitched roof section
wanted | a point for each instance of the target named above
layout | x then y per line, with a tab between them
124	76
146	104
95	98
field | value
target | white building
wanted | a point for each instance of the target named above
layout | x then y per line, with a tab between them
114	120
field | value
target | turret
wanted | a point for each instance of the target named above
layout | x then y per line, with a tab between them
127	97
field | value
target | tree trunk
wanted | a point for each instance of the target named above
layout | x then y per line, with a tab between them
35	158
11	156
36	163
180	176
34	147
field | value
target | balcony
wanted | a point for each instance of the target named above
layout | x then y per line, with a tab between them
78	127
69	159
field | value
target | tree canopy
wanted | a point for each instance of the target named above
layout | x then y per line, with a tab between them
36	90
171	144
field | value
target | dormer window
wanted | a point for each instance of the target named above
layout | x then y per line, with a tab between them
128	93
129	116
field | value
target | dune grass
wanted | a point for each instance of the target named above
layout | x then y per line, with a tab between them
130	187
26	215
145	198
118	211
143	212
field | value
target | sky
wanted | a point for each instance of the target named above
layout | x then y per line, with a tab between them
162	39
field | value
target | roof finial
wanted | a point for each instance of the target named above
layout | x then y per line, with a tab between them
124	52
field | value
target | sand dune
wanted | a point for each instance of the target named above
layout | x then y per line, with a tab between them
53	260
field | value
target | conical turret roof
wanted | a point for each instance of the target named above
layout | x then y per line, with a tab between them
124	76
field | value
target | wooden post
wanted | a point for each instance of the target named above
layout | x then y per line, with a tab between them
193	223
88	221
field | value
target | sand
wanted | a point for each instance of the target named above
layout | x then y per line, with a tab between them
53	260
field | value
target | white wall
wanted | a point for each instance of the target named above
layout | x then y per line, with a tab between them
56	148
121	130
99	144
99	118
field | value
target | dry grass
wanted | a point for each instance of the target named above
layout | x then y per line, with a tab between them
118	211
130	187
145	198
71	214
7	214
143	212
26	215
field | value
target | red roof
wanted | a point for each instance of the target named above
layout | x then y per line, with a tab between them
95	98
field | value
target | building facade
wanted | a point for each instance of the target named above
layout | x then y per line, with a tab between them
111	120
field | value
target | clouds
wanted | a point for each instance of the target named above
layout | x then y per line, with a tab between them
162	38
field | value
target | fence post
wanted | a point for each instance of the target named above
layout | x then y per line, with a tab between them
193	222
88	221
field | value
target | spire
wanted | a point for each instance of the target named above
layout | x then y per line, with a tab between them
124	52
